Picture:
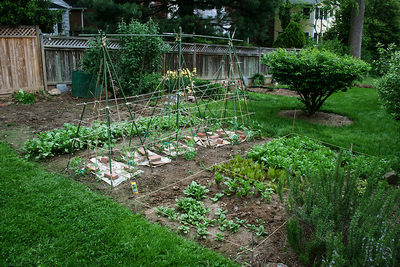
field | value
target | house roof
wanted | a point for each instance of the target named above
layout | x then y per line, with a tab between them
75	4
59	4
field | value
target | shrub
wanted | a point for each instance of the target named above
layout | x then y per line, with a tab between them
314	74
258	79
333	223
389	86
292	37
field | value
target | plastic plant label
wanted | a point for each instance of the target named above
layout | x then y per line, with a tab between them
134	187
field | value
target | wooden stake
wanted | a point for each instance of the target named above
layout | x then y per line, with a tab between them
351	147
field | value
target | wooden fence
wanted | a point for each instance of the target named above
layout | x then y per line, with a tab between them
62	56
20	60
30	61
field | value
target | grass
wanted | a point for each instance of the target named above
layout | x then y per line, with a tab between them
371	126
47	220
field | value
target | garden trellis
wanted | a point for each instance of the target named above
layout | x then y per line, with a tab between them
181	109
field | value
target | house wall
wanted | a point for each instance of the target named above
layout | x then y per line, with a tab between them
312	26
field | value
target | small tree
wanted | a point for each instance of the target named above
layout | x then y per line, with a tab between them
314	74
293	36
141	56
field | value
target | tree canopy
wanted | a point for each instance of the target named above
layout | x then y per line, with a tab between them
381	24
28	12
247	18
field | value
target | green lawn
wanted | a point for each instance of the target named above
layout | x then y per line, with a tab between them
47	220
371	122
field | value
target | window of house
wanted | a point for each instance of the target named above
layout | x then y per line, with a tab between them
307	12
307	34
321	13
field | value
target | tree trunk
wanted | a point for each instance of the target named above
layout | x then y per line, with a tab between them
356	28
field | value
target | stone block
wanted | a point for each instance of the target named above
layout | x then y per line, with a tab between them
92	168
154	158
141	151
103	159
108	175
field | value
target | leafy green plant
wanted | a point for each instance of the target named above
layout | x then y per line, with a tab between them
196	191
261	231
218	178
190	151
244	167
78	166
244	189
232	186
24	98
202	232
184	229
259	187
315	75
168	212
258	79
298	155
59	141
217	197
219	237
266	194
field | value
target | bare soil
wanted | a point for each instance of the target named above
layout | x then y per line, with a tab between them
160	186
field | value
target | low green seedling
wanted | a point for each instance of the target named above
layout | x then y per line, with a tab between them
217	197
184	229
24	98
196	191
219	237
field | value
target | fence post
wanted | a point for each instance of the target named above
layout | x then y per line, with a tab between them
43	61
259	59
194	56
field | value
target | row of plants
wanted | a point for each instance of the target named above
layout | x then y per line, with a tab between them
191	212
299	155
334	223
59	141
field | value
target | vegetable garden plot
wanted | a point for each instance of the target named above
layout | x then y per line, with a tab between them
177	116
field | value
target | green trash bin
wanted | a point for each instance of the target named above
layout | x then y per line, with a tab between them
81	83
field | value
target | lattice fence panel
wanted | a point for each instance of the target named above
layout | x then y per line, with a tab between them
74	42
18	32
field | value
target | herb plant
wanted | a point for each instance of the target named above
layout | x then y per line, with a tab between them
196	191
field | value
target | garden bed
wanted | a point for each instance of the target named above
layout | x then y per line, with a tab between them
162	185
